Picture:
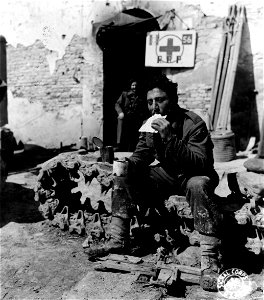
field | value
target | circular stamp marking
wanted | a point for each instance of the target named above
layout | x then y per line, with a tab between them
234	284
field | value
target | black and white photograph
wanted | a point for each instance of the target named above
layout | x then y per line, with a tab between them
131	150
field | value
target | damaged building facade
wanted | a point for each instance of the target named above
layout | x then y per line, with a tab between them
63	80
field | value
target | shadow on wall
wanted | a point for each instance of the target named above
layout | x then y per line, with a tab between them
244	114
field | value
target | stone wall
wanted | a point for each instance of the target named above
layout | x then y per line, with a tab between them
55	68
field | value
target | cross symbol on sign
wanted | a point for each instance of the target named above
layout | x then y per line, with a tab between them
169	48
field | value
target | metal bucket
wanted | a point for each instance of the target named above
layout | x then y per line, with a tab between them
224	146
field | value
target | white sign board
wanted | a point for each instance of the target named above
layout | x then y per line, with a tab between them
170	48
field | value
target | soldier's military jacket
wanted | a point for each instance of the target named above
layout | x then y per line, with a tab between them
188	153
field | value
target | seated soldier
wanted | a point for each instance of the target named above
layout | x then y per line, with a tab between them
182	146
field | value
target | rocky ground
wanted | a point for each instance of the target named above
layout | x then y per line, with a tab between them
39	261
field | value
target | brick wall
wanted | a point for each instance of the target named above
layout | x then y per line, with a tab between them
29	74
196	97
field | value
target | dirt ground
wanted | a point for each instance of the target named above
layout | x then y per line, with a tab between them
39	261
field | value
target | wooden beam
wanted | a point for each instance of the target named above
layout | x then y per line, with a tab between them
222	123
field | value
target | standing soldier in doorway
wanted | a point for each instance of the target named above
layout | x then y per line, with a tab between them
131	112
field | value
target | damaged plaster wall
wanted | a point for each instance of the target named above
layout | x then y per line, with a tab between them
55	68
54	71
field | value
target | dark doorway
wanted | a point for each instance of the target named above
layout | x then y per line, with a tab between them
123	48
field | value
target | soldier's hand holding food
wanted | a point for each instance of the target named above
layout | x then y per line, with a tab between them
163	127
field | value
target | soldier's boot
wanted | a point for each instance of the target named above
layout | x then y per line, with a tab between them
210	267
118	242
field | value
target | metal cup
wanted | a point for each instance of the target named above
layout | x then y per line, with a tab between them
120	168
107	154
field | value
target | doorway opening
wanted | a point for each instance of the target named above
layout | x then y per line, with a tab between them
122	40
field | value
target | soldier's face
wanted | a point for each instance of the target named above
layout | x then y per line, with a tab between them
158	102
134	86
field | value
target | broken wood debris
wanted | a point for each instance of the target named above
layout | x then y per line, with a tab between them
54	191
160	273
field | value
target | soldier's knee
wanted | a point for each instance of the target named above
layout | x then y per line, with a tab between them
197	182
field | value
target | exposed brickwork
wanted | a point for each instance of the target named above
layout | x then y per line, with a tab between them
196	97
29	75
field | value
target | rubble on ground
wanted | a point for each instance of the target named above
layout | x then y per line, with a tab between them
62	191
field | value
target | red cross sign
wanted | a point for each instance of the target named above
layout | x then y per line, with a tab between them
170	48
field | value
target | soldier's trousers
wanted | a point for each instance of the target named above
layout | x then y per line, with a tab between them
151	187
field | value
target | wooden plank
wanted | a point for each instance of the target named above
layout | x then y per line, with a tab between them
228	57
231	74
181	268
222	80
131	264
190	278
221	71
123	258
214	92
125	267
217	79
